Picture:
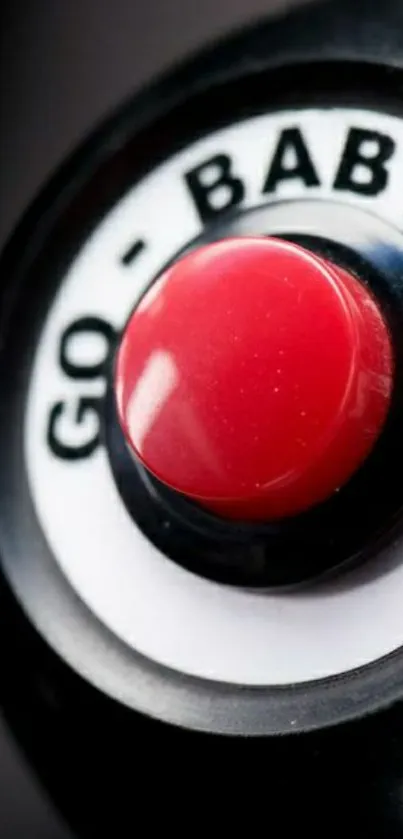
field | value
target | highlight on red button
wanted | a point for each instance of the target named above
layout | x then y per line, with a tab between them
254	377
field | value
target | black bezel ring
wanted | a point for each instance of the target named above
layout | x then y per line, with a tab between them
342	52
352	524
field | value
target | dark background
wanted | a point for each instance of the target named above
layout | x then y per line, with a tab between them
63	65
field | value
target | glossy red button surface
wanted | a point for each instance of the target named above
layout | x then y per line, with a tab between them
254	377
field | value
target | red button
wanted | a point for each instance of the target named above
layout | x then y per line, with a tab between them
254	377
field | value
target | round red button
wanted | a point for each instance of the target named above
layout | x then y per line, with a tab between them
254	377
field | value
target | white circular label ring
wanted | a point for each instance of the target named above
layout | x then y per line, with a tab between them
168	614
